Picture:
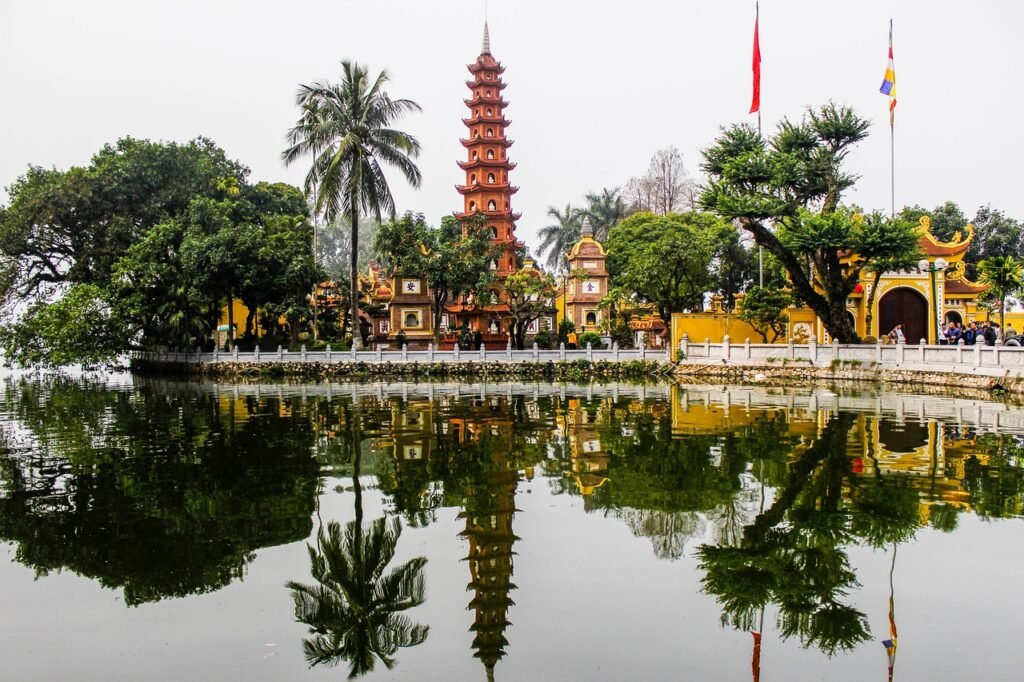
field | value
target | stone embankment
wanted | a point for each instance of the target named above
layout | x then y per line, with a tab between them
569	370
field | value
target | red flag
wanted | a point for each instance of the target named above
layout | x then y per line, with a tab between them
755	102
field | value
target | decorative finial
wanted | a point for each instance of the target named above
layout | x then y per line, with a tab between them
487	40
587	228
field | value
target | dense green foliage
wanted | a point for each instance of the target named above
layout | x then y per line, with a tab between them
1004	276
529	294
794	183
143	248
454	258
667	259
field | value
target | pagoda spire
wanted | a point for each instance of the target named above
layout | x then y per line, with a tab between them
487	40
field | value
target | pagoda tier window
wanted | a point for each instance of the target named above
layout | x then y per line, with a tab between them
492	206
476	134
472	179
472	206
490	111
475	156
488	93
494	233
490	132
592	318
490	178
490	153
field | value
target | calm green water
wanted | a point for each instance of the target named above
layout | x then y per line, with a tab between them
174	531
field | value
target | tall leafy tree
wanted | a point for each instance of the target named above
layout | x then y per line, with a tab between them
946	219
896	242
529	294
557	238
666	260
454	258
795	182
1004	276
346	128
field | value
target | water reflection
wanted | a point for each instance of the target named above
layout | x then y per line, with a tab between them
165	490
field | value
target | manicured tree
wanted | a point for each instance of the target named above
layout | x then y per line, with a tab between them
346	128
894	240
529	294
764	309
793	183
1004	275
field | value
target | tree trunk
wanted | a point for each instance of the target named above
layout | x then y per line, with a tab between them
353	273
870	316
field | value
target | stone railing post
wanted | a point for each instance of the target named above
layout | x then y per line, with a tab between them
615	350
280	352
707	347
812	350
878	351
643	351
405	352
234	353
977	354
327	353
536	351
790	349
303	352
216	353
920	351
995	355
380	356
835	350
746	348
684	346
561	350
726	348
256	352
508	350
483	351
353	350
901	352
959	351
430	351
458	351
590	352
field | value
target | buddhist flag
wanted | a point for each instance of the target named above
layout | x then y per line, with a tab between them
755	102
888	81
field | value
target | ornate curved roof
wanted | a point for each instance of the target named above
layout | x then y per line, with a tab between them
934	247
587	246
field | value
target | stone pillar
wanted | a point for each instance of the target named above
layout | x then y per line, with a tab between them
256	352
327	353
457	350
977	354
878	351
280	352
430	351
216	353
483	352
303	352
835	350
920	351
995	355
901	353
508	350
791	348
684	346
561	351
746	348
643	351
726	350
812	349
959	351
590	352
379	356
536	351
405	352
353	352
234	352
615	350
707	347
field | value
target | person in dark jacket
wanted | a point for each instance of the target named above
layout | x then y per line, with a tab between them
988	332
971	334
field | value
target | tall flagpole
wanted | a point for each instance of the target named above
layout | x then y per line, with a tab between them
755	105
889	88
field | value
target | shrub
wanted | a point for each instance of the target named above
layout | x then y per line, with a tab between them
543	339
593	338
869	339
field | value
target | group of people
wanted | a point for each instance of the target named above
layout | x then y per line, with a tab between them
985	334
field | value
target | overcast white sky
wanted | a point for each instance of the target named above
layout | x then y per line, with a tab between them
595	87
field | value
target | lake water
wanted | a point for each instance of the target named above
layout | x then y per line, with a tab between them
154	530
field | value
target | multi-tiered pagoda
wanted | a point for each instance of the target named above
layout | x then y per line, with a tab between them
487	190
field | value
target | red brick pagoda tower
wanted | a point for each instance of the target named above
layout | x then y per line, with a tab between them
487	190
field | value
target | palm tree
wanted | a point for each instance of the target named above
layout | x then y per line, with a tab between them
558	237
605	210
346	128
353	610
1005	276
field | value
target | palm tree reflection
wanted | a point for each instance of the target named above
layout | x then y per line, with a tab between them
353	610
